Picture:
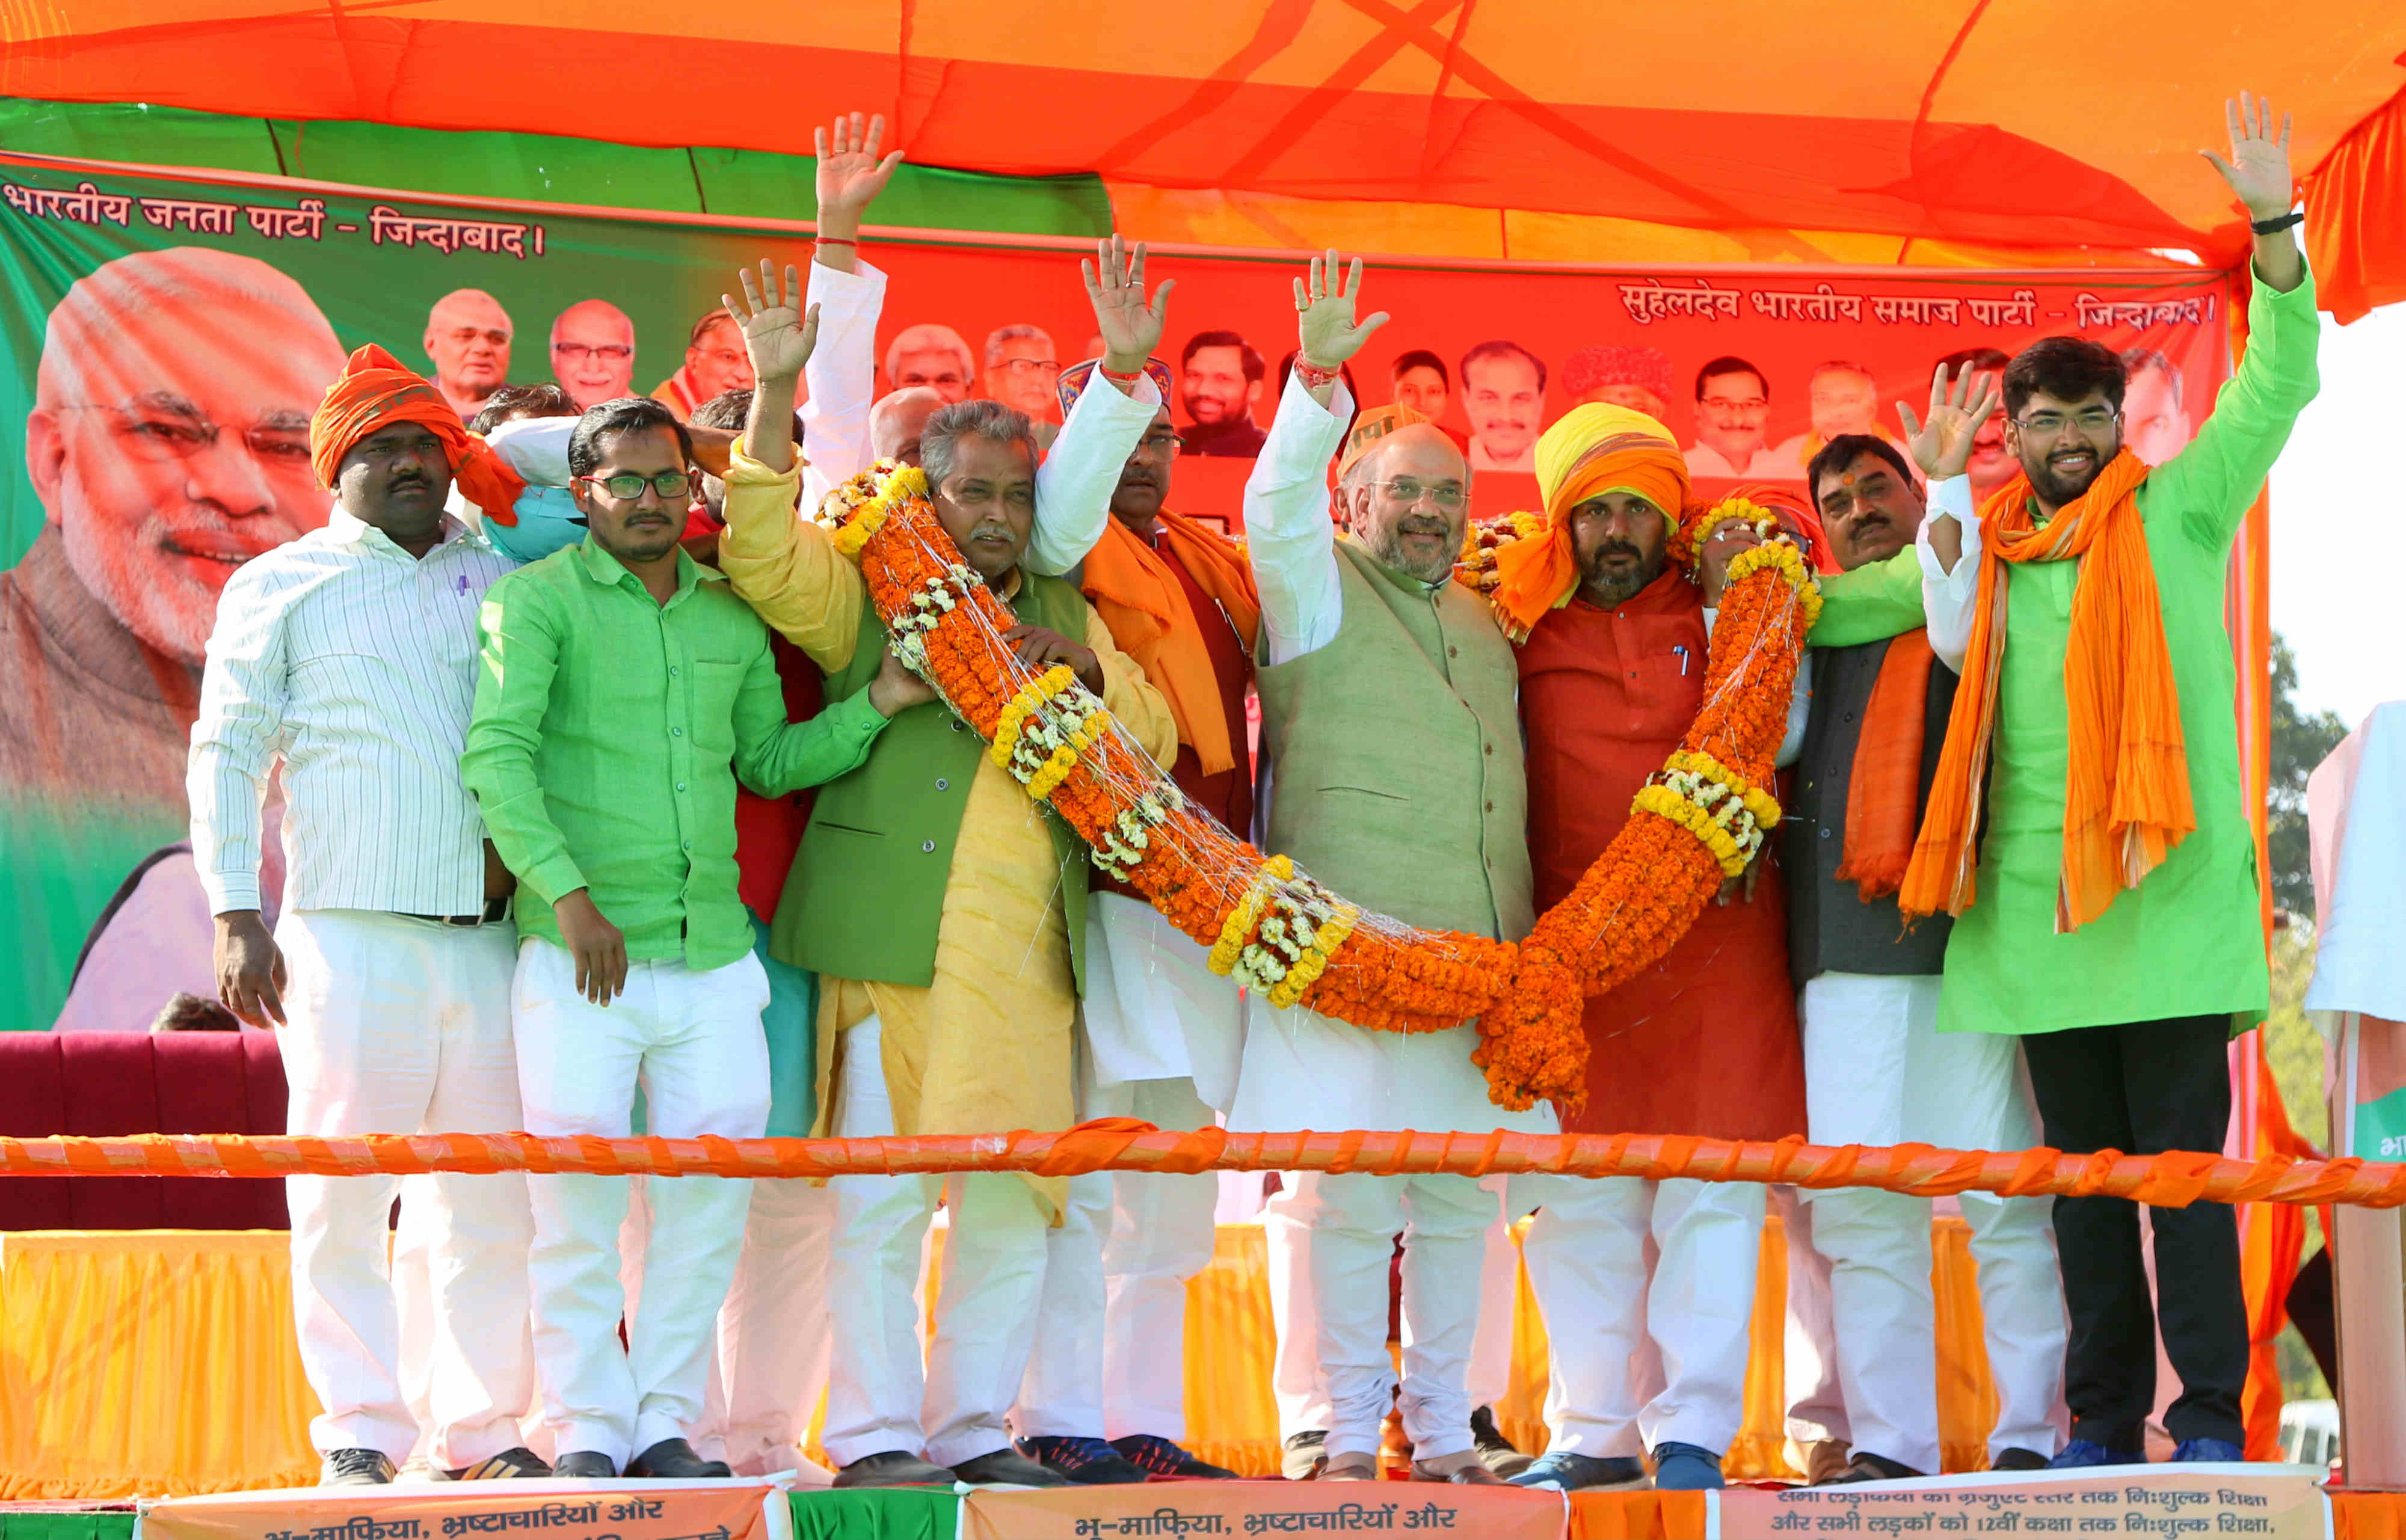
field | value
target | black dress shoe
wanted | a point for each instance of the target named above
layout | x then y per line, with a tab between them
1866	1466
585	1465
355	1468
2018	1460
673	1459
1007	1468
893	1468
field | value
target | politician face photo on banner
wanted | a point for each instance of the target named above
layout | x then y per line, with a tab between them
593	353
933	355
1020	370
1504	394
468	343
1219	384
2154	421
1733	411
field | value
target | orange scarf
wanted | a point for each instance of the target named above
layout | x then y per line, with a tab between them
2125	795
1884	790
375	391
1142	602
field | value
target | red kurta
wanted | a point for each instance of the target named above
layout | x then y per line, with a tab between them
1705	1040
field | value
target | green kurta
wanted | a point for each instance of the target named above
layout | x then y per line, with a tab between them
2188	941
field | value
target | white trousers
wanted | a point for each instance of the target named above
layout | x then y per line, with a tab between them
1443	1221
693	1040
1108	1359
1817	1404
879	1398
1877	1071
1586	1253
401	1027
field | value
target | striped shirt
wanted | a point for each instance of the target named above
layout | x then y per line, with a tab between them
357	663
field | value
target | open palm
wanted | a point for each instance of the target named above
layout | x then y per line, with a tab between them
851	173
1325	327
2259	168
777	334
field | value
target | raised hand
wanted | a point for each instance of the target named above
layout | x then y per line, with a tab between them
1130	327
776	333
1324	326
850	173
1942	445
2259	168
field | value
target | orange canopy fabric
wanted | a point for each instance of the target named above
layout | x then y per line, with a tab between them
1971	125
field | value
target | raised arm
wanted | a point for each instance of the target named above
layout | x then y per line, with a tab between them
241	721
1075	484
783	567
1288	534
849	294
2211	485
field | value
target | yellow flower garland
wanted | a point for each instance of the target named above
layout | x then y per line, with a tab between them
1223	961
1759	802
857	518
1031	698
1064	759
1696	821
1314	961
1791	563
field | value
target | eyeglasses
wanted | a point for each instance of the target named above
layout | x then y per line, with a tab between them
1161	443
1045	367
1408	491
1741	403
161	434
577	352
2093	421
628	487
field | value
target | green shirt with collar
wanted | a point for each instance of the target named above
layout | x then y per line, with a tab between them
608	733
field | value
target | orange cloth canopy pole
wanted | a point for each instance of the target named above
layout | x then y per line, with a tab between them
2172	1180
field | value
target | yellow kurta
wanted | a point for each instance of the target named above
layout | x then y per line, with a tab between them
987	1046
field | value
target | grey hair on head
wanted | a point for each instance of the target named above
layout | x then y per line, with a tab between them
990	420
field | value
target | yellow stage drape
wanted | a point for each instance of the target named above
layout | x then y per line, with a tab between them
161	1362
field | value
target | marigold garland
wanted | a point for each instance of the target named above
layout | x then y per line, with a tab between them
1275	929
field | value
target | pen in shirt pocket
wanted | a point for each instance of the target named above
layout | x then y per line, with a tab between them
1682	651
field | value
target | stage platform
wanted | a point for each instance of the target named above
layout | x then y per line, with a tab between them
2273	1502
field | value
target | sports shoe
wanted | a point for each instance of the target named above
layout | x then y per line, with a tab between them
1684	1467
1567	1472
586	1465
1303	1454
893	1468
355	1468
1006	1467
1496	1451
1158	1456
2209	1450
2081	1453
1866	1466
2018	1460
518	1464
1086	1462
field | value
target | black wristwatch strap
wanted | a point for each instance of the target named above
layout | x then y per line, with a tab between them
2275	225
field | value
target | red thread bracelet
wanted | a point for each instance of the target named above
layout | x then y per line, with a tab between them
1312	376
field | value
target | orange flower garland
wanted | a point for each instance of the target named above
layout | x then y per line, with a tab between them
1272	925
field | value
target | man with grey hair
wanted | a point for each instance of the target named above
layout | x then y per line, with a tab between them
593	353
1021	369
467	342
932	354
1395	766
943	913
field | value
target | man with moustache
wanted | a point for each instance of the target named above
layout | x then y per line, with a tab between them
2085	826
1876	1069
1504	394
1219	381
1989	467
713	364
593	353
1387	715
1022	369
1732	406
1843	397
169	444
933	355
2152	414
1161	1031
1611	674
468	341
350	653
624	688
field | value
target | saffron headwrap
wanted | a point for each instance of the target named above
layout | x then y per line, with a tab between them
1140	599
375	391
2125	795
1594	450
1371	429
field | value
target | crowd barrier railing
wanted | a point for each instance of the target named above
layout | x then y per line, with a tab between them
2171	1179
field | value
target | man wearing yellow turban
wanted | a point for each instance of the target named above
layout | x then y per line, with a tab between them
1612	672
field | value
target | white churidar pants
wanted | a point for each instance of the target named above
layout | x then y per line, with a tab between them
1586	1253
1877	1071
693	1039
1816	1405
879	1398
1108	1359
396	1025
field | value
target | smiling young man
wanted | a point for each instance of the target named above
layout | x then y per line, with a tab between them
1876	1069
946	914
623	689
351	652
2085	826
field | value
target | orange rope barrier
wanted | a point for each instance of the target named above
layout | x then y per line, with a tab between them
2171	1181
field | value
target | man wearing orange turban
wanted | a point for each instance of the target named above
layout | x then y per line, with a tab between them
351	651
1612	672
